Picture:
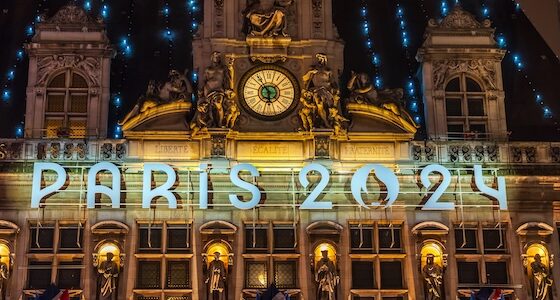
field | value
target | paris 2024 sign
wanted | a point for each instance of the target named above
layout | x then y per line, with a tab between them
358	185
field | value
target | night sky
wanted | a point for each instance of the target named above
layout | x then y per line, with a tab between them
152	60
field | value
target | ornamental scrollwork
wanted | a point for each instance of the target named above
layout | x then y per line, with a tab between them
88	66
480	68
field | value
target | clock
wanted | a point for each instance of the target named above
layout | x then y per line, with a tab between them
269	92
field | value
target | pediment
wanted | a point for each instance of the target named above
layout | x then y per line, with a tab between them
171	117
371	118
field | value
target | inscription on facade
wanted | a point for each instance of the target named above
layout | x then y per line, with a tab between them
373	151
251	150
171	150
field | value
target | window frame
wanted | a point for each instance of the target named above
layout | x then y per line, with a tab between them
67	115
165	256
465	95
56	258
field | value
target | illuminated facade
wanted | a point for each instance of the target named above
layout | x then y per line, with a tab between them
264	179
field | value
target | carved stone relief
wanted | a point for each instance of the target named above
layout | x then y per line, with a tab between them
317	8
88	66
458	18
485	70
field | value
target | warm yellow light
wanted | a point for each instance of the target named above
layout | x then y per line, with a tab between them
109	248
331	252
5	254
262	279
533	250
432	248
221	248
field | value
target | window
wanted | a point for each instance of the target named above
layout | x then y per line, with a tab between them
468	272
164	252
465	105
39	274
178	238
71	238
178	274
362	274
497	272
149	238
69	275
389	239
57	264
256	275
149	273
361	238
480	250
256	237
494	240
466	240
67	105
284	238
285	274
391	275
42	238
268	244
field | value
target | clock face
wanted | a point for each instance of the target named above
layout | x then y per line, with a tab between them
269	92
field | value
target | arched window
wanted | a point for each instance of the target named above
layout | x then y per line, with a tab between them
465	108
67	104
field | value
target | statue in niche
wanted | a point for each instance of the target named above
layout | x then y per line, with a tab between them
321	97
216	277
362	91
216	97
4	276
267	18
108	272
541	282
177	89
326	277
433	279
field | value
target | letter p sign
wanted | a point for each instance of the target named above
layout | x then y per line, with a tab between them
37	192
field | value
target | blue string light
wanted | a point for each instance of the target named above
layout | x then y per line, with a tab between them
19	131
118	132
126	48
412	92
193	8
366	31
444	8
518	63
104	12
87	5
10	75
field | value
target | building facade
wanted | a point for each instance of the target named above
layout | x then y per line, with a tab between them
271	176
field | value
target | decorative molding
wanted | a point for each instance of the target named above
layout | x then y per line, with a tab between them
459	19
90	67
318	24
482	69
71	14
322	146
218	145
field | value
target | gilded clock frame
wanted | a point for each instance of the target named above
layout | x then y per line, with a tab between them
273	67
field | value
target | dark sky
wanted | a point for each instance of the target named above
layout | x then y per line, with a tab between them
151	59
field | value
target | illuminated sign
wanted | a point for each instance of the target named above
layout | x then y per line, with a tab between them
358	185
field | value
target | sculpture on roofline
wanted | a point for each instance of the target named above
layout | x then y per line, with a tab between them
363	91
216	107
177	88
267	18
321	98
